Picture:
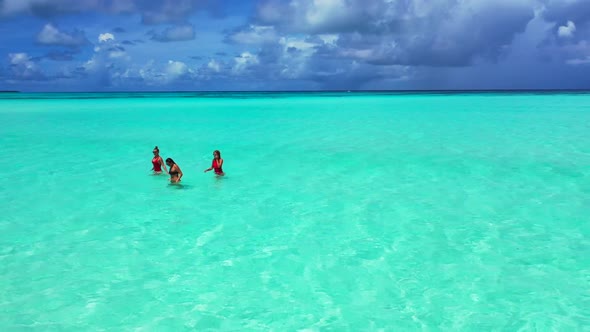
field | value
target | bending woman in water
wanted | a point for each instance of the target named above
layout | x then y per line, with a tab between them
217	164
175	172
158	162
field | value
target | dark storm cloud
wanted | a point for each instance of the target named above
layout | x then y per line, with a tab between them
350	43
568	40
563	11
444	33
329	74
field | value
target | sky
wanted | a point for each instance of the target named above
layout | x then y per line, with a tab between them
207	45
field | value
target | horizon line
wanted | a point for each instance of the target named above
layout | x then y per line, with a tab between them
304	91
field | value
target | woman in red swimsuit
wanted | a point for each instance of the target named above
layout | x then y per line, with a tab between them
158	162
217	164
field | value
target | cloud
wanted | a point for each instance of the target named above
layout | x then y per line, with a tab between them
350	75
566	31
413	32
566	38
176	33
320	44
581	61
214	66
22	67
114	54
244	61
304	61
168	11
175	69
566	10
60	56
151	12
253	34
50	35
319	16
119	30
106	64
154	74
353	43
52	8
105	37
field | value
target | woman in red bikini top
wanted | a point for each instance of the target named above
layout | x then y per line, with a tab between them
217	164
157	162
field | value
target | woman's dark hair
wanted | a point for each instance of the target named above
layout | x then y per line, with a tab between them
217	152
169	160
156	148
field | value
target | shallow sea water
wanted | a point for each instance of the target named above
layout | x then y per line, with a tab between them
339	212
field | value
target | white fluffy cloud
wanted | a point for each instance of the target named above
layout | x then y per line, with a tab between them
18	58
214	66
23	67
108	48
50	35
159	74
244	61
254	34
105	37
567	31
294	56
175	69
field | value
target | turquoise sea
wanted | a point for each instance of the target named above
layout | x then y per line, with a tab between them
339	212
